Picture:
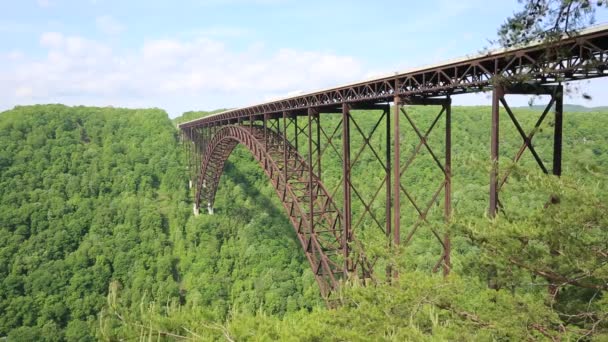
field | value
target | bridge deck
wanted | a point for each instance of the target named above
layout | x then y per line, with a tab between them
584	56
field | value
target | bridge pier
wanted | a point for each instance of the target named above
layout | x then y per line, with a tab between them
499	98
422	210
497	94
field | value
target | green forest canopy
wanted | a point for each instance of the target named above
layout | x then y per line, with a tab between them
98	240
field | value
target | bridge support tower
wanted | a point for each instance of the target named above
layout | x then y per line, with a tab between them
497	181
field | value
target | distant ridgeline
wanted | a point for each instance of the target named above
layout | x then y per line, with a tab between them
187	116
571	108
98	241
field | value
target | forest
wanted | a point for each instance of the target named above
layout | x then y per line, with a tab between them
98	240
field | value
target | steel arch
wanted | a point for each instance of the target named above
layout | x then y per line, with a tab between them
322	244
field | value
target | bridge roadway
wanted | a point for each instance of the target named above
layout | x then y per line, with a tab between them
581	57
290	153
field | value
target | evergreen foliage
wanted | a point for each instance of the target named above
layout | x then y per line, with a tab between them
547	20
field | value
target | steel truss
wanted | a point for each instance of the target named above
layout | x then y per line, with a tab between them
580	57
290	150
445	186
316	219
291	139
499	93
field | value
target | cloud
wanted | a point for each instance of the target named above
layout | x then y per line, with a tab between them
51	39
23	92
13	27
108	25
221	32
14	55
44	3
177	74
240	2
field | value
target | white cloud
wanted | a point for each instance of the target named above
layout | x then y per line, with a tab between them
240	2
221	32
14	27
51	39
109	25
174	74
23	92
44	3
14	55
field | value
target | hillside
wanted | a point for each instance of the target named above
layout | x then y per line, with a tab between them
187	116
98	241
570	108
93	196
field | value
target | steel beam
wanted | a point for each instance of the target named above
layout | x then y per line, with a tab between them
285	142
582	56
448	187
387	172
397	173
389	197
497	94
297	132
311	196
557	133
346	186
318	142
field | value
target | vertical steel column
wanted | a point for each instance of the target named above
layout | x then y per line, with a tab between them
285	146
397	174
199	136
196	155
265	134
557	133
310	178
448	185
198	160
318	116
188	144
497	94
346	184
388	175
295	123
388	172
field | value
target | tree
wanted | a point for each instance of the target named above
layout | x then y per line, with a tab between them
547	20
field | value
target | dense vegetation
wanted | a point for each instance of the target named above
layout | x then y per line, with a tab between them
98	241
90	196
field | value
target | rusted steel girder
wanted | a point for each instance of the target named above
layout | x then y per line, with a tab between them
583	56
316	219
290	150
346	184
327	230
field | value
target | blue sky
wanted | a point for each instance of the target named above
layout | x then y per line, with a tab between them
206	54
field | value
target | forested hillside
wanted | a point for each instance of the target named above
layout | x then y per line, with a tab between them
94	196
98	240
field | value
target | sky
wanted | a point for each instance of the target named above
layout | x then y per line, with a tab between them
208	54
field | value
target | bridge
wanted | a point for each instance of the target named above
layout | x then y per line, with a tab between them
290	138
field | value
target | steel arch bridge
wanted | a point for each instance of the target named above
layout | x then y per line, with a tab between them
290	137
